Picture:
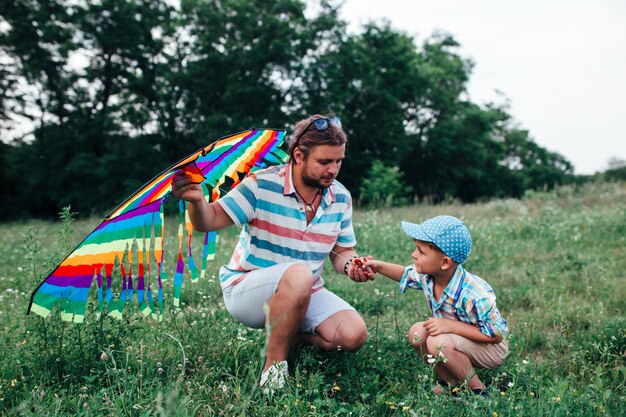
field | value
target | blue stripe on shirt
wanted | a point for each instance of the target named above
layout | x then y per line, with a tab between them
342	198
278	209
331	218
346	239
248	194
270	186
287	251
236	210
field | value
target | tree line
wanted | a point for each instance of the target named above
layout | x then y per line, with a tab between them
96	97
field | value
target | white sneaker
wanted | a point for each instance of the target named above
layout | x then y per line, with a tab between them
274	378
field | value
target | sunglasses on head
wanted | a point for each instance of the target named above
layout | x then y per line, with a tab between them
321	124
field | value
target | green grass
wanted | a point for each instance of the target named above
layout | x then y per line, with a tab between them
556	261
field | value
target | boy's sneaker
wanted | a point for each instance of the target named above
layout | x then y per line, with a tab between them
274	377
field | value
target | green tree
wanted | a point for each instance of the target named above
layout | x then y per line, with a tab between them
616	170
113	90
246	59
37	44
9	182
384	186
459	157
372	81
81	115
536	166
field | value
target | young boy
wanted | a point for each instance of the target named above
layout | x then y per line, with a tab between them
466	326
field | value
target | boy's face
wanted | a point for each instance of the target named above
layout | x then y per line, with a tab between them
427	260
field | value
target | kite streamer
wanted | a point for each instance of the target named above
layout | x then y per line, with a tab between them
135	230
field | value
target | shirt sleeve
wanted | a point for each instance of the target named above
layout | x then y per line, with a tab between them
487	316
240	202
346	238
410	279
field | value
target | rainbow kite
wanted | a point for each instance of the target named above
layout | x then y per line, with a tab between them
134	230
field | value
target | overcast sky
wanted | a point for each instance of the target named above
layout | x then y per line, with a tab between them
562	64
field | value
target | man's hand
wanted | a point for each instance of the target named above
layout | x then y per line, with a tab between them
358	272
437	325
186	189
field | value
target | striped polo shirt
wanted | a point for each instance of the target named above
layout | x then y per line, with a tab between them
467	298
274	227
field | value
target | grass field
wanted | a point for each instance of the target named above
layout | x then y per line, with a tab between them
556	261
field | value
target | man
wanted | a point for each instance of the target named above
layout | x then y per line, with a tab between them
293	217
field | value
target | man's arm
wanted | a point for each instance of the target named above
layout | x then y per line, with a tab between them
205	217
341	257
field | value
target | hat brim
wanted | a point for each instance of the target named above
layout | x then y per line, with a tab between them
415	231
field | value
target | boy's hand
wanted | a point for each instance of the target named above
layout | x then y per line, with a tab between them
365	263
371	264
437	325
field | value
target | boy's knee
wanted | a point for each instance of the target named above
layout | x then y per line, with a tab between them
418	334
439	343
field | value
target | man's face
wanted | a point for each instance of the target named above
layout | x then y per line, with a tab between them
322	165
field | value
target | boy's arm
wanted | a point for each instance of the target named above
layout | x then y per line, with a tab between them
393	271
437	325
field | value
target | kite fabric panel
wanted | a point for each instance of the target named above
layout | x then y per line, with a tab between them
134	231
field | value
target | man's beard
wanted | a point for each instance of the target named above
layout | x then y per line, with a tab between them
312	182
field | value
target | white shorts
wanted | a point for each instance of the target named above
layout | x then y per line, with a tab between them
245	300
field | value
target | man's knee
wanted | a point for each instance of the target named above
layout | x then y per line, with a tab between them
351	337
297	280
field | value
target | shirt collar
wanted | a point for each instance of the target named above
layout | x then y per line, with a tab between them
456	282
287	174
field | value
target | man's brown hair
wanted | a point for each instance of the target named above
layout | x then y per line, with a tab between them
306	137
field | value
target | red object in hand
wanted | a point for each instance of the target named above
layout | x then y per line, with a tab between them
359	262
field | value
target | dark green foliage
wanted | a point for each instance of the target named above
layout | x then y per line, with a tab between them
96	97
384	186
615	174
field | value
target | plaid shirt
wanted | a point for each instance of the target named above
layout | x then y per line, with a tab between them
467	298
274	226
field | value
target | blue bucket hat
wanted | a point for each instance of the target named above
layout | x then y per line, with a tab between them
447	232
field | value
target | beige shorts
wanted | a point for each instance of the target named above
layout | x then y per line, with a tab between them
483	355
